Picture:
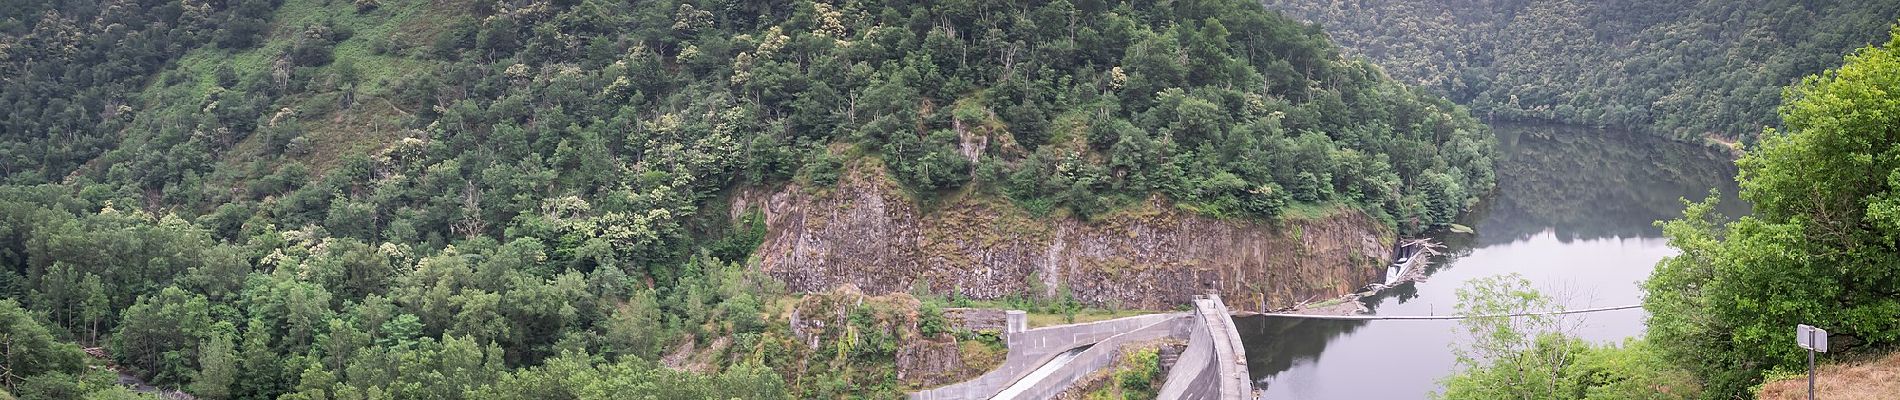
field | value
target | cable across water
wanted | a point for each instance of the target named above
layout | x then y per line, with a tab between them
1441	317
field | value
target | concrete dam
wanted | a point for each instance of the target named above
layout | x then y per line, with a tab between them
1043	362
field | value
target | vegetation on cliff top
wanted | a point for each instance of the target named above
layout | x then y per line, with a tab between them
496	199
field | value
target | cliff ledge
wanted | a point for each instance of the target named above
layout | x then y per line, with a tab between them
865	232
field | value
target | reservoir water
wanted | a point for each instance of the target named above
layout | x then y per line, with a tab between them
1573	212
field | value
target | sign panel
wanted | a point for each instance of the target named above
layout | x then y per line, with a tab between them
1811	338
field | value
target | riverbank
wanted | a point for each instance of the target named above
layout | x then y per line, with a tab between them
1410	269
1574	210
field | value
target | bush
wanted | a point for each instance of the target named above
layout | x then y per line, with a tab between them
930	320
928	164
1139	371
743	313
824	169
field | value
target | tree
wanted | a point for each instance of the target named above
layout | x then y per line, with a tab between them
635	329
1636	370
932	162
400	331
68	296
260	372
1495	337
1533	357
217	363
294	310
353	270
96	307
315	383
351	219
1444	198
339	342
1818	248
464	366
221	273
159	336
30	350
1540	60
247	25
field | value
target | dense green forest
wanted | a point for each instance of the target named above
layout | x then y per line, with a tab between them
1683	69
330	199
1821	247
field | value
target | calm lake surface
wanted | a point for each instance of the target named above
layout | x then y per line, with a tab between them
1573	212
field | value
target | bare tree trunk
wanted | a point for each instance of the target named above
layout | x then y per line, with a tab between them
6	368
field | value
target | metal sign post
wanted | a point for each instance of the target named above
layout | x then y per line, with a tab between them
1814	339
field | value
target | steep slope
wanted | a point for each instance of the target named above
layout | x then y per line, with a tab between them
70	71
493	196
1679	68
865	233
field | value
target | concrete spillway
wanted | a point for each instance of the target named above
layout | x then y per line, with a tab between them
1022	385
1044	362
1030	350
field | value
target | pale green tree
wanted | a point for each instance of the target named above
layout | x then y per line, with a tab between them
217	367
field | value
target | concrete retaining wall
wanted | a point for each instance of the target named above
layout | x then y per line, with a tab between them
1032	348
1213	367
1054	339
1101	356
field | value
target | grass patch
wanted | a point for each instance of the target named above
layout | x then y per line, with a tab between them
1327	303
1302	210
382	50
408	25
1047	316
1870	378
1038	320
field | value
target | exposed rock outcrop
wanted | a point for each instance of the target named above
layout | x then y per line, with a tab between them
865	232
932	363
976	319
839	319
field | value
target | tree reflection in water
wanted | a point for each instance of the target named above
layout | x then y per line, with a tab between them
1574	184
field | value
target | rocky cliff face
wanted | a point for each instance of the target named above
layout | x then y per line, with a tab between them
865	232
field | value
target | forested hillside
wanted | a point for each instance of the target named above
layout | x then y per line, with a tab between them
1819	248
1679	68
329	199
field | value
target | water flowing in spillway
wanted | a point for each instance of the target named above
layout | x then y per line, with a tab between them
1016	389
